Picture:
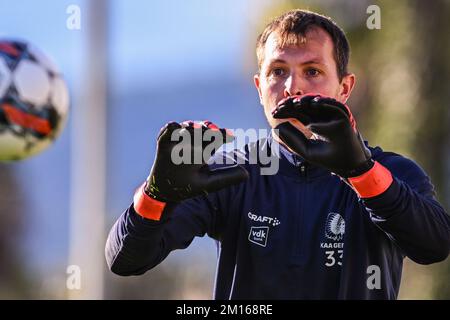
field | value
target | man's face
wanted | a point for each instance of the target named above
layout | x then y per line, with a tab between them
296	70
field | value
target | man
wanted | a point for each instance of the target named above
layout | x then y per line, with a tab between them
334	222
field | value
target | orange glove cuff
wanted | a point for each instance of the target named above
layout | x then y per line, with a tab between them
372	183
146	206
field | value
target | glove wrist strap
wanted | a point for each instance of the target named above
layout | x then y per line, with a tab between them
146	206
373	182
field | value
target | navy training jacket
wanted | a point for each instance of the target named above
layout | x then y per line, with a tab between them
299	234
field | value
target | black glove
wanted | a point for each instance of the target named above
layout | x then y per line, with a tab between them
340	147
171	182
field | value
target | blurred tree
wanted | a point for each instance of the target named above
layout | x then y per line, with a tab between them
432	138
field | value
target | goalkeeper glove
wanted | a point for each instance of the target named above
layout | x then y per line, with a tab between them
169	182
340	148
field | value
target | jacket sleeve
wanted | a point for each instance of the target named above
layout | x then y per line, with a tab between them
409	213
136	244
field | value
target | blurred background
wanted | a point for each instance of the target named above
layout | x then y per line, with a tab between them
131	66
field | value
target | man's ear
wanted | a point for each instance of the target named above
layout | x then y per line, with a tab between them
257	82
346	87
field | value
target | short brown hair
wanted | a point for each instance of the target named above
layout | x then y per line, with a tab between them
292	26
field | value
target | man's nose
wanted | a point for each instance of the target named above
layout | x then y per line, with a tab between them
292	87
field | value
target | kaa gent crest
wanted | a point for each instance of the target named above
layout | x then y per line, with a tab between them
335	227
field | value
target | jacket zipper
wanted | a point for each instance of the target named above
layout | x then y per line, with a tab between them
298	250
303	170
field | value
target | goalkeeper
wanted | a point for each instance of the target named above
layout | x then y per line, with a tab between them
335	221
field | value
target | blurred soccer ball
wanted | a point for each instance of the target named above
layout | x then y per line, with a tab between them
34	101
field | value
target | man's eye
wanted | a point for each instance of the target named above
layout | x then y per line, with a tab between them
312	72
277	72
